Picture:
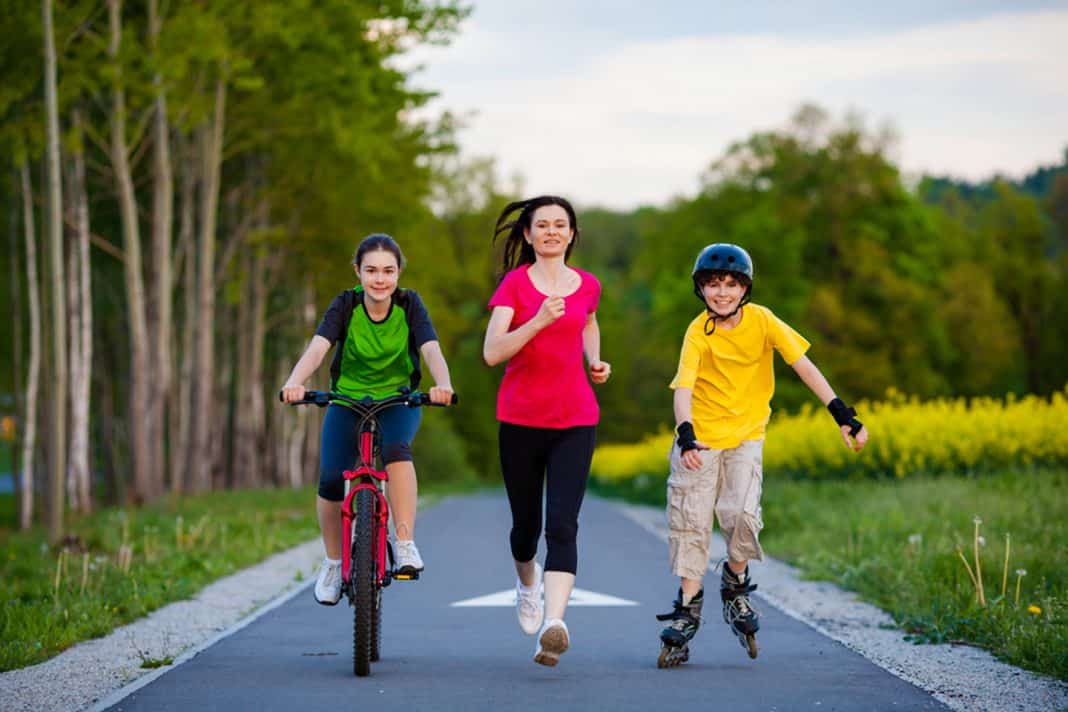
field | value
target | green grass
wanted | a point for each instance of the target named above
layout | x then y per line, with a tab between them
178	546
6	450
8	512
895	543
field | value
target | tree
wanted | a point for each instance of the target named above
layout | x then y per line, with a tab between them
80	308
160	303
29	430
1020	241
58	427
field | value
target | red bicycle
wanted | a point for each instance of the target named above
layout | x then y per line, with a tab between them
367	564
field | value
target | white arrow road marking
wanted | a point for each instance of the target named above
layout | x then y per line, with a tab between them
579	597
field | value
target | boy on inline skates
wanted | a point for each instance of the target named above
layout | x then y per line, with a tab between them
723	391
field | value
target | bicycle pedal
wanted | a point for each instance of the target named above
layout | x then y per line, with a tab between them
406	576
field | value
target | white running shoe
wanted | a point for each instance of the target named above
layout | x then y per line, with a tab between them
406	557
328	585
552	643
528	605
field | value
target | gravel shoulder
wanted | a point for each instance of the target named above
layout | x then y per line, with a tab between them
95	674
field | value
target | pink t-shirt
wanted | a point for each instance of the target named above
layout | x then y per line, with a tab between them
545	383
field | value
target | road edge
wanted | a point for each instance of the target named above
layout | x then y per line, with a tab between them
122	693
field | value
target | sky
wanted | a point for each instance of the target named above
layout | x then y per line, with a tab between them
627	103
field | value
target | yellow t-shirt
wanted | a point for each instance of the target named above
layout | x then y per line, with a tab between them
731	374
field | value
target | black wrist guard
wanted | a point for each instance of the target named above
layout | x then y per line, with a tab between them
687	439
844	415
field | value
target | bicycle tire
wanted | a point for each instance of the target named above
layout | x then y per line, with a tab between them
363	581
376	627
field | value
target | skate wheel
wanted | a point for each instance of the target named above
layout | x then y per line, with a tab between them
672	657
751	646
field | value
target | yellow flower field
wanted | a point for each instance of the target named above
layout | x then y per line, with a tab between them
907	436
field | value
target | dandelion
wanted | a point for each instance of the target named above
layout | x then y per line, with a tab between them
1020	573
125	557
915	539
60	566
1034	609
1005	571
978	568
968	568
85	571
982	541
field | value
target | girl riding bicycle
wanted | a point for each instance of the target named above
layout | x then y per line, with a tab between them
543	321
380	331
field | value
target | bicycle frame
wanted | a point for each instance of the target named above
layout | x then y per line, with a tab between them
367	478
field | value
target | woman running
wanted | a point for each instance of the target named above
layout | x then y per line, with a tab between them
543	321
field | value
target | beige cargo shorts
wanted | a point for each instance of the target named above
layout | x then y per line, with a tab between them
728	484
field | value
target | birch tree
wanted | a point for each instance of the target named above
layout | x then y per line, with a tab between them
80	305
211	138
145	482
162	216
29	429
181	426
58	427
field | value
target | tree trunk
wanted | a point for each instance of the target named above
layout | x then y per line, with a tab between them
58	426
139	412
80	303
29	430
222	435
110	433
162	217
306	449
280	425
244	437
85	282
74	356
257	417
204	379
15	285
181	429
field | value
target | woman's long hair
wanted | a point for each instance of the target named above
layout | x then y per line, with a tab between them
517	251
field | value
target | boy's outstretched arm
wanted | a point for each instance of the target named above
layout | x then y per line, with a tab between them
854	438
688	442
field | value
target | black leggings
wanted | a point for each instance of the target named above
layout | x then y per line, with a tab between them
527	456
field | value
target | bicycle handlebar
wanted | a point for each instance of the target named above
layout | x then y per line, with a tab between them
414	399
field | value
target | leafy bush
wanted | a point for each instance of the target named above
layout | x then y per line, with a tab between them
908	436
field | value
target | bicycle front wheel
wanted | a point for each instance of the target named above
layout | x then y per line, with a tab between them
363	582
376	628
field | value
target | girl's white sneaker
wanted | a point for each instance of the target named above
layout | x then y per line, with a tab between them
406	557
328	584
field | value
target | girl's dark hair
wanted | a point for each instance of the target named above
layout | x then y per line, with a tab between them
378	241
517	251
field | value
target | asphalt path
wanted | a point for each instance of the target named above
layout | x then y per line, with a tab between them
439	656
